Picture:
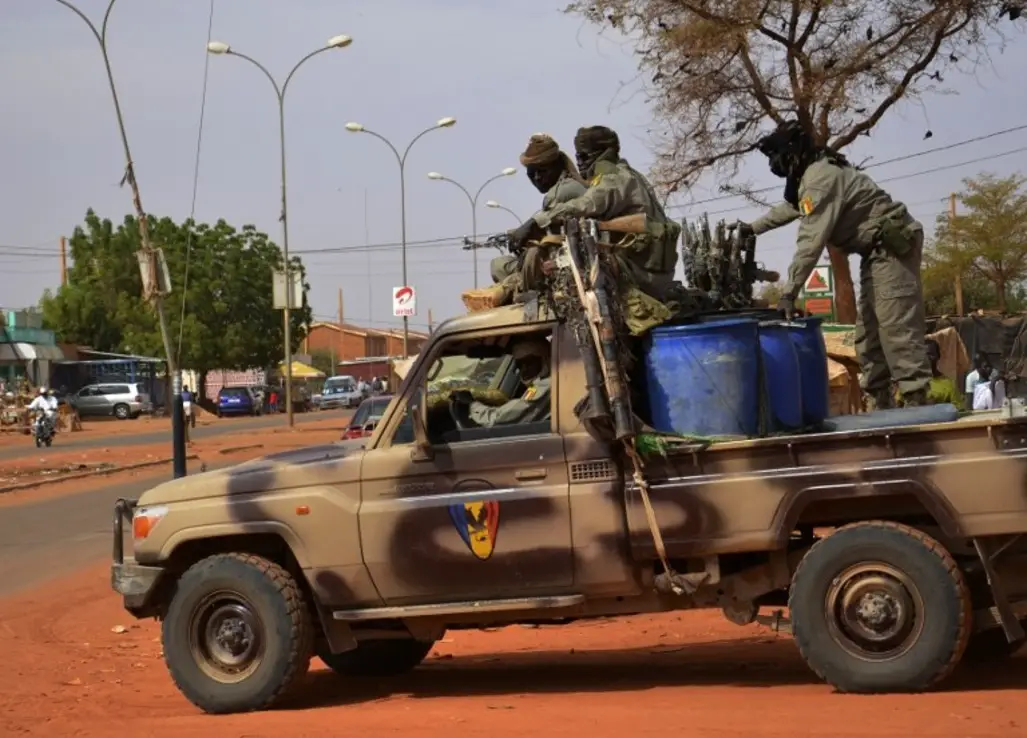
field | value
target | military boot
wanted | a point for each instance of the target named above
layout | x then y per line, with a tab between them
917	398
881	399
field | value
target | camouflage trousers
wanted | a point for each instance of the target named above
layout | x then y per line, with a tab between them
890	329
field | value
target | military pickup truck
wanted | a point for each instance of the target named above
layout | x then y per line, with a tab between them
897	551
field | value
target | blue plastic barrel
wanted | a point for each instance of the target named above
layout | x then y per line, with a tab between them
703	379
809	344
782	378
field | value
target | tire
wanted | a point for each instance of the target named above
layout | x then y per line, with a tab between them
277	615
122	412
894	564
48	441
379	658
39	442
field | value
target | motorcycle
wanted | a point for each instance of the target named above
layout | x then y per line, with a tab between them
43	430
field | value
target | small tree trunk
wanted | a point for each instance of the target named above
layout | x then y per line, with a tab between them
1000	288
844	294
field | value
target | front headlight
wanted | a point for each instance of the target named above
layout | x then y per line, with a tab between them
145	519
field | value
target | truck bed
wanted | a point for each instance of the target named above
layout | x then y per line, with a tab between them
968	475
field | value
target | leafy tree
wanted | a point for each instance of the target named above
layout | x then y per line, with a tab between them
718	70
986	244
229	321
324	361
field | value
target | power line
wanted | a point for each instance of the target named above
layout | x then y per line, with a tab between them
893	160
196	182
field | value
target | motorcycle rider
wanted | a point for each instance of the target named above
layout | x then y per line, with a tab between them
44	404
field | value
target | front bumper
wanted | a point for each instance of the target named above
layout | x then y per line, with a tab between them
134	582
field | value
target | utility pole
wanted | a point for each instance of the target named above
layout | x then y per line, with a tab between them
151	260
341	314
64	262
959	277
431	323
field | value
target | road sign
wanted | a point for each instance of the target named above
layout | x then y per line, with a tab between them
819	306
404	302
278	290
819	282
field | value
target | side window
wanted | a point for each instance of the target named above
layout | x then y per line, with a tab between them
497	387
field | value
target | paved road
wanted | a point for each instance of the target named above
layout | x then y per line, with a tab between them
57	536
22	445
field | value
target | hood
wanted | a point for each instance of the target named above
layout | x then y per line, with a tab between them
336	463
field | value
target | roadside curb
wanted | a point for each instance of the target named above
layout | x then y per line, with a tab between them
233	449
93	473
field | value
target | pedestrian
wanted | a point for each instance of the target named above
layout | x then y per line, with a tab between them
838	204
187	407
942	389
272	401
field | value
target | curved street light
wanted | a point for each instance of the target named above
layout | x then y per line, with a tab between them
497	206
148	252
221	48
473	199
353	127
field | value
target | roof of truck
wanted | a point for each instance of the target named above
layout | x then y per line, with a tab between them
508	316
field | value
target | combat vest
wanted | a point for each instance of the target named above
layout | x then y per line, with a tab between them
655	251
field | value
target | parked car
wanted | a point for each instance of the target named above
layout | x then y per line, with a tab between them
366	418
123	400
338	392
237	401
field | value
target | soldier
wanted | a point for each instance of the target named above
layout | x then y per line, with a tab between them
532	358
646	261
839	204
553	174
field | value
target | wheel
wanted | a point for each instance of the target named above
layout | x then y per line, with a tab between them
880	607
379	658
122	412
39	442
48	441
238	634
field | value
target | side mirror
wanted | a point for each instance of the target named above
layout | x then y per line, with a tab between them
422	450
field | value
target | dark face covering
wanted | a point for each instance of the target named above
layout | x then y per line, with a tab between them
545	176
591	144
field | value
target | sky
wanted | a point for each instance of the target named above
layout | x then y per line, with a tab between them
503	70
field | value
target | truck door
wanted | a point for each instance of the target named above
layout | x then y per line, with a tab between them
486	516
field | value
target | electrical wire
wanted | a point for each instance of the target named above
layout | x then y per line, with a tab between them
196	183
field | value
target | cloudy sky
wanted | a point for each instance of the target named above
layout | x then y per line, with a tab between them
503	70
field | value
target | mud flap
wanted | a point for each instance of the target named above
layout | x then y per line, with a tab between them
1010	623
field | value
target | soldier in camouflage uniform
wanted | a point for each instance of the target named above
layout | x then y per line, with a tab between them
646	262
553	174
839	204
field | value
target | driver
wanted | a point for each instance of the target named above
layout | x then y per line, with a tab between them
532	358
43	403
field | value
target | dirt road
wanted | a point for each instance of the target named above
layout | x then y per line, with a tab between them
144	430
67	672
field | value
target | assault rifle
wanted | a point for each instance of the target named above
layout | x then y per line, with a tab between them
499	241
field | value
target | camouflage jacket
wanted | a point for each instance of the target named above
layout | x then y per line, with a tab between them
566	188
616	190
844	207
530	407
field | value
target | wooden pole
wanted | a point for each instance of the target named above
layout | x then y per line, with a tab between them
431	323
64	261
959	277
341	315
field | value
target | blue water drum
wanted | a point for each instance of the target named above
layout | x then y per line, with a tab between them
703	379
809	344
782	379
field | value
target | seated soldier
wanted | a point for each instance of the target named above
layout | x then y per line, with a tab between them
531	355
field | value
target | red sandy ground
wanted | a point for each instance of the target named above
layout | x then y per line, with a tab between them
250	442
66	672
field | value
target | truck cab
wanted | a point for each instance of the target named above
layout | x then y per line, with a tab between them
896	550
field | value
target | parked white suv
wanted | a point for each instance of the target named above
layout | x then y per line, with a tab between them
123	400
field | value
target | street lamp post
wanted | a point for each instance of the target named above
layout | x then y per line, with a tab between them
335	42
177	415
508	172
497	206
402	159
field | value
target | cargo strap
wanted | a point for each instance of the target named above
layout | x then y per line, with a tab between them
679	585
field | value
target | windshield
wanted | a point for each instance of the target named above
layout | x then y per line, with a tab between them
234	392
339	384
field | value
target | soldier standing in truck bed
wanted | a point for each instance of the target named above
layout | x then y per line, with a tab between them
646	262
839	204
553	174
